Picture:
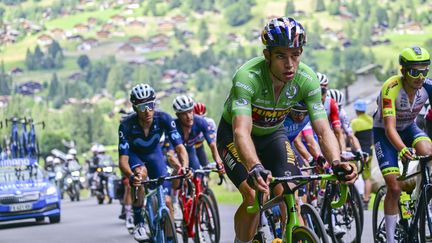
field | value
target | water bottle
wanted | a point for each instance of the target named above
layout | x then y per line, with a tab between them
405	200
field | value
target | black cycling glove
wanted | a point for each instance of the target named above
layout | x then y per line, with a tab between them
257	171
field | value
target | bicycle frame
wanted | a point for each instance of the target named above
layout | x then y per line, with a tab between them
24	138
411	226
159	192
289	199
190	203
14	137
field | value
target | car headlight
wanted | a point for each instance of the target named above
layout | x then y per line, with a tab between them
108	169
51	190
58	175
75	173
69	180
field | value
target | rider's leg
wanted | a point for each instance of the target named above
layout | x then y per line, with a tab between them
245	224
138	201
391	205
367	182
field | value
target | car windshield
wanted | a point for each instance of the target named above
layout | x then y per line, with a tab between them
21	173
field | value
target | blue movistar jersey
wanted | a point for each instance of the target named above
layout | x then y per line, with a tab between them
200	126
294	128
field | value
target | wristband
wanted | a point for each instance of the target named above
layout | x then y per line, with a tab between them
403	152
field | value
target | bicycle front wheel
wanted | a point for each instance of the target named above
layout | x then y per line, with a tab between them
304	235
167	228
314	222
206	225
378	220
425	222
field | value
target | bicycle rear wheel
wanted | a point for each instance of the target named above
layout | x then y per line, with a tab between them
313	221
378	220
168	229
425	222
206	226
304	235
358	202
210	194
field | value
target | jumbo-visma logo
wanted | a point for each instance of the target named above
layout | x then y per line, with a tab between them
268	117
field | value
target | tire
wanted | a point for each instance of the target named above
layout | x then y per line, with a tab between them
54	219
40	219
77	191
206	225
168	228
425	229
314	222
358	202
258	238
378	227
346	218
100	199
304	234
210	194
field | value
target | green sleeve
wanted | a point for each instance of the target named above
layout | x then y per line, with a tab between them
242	92
312	97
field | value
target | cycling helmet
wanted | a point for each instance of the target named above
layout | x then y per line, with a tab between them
337	96
72	151
414	56
183	103
142	93
323	79
200	109
360	105
300	106
285	32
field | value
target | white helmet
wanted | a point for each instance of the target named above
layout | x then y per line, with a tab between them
323	79
69	157
101	148
94	148
337	96
72	151
49	159
56	161
183	103
142	93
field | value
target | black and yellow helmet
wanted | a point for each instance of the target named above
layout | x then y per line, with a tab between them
414	56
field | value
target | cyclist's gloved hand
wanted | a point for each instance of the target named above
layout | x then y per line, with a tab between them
188	172
360	155
220	167
257	178
320	161
345	171
134	180
406	154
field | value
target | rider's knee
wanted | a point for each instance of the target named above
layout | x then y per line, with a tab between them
393	189
248	196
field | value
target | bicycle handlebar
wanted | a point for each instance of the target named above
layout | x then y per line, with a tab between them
405	165
303	179
206	170
158	181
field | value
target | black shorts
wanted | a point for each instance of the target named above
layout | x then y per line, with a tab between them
273	150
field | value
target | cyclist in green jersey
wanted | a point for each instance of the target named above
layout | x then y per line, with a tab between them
251	138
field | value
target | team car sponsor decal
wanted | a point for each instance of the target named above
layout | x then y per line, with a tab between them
268	117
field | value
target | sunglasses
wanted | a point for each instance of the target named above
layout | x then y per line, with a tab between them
298	113
415	73
146	106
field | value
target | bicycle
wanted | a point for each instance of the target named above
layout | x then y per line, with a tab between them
418	227
14	140
200	216
33	146
294	232
156	213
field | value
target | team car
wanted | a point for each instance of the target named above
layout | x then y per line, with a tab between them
26	192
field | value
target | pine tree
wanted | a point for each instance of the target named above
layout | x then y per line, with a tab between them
289	8
54	86
203	33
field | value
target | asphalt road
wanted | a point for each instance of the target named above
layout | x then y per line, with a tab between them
88	222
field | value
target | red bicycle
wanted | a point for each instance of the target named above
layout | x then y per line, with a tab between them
200	216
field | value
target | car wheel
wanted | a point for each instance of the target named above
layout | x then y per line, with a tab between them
54	219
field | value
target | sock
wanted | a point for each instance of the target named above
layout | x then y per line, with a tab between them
390	225
128	210
138	218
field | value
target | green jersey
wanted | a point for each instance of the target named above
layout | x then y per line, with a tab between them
252	94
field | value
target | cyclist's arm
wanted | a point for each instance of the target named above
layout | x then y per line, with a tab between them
210	137
301	148
336	124
172	160
242	128
392	134
354	142
312	145
327	139
123	149
124	165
